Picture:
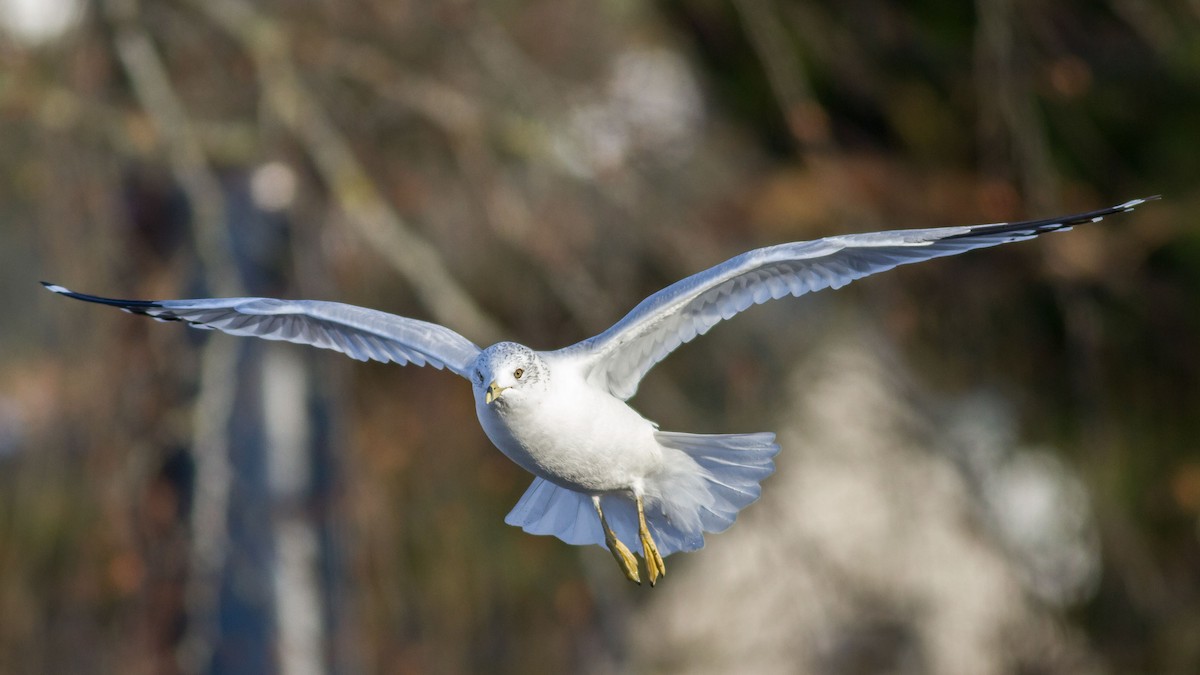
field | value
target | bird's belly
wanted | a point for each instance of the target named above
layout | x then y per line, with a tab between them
593	449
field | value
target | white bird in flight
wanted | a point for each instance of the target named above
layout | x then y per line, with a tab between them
604	474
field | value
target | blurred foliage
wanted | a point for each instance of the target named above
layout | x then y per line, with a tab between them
565	159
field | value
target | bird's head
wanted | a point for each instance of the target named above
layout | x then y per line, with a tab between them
507	371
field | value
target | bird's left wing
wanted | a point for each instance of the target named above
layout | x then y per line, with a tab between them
617	359
357	332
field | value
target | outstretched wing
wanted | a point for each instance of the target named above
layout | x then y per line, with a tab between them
617	359
357	332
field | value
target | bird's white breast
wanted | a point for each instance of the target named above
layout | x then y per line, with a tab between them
572	434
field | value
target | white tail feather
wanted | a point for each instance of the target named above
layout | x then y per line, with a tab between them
546	508
706	480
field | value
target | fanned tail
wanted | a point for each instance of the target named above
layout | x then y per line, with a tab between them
705	482
546	508
733	464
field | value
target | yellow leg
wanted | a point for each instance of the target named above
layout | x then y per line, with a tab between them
620	551
655	567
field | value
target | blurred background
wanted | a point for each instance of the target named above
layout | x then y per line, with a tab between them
990	462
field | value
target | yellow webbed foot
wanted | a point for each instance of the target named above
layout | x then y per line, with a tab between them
621	553
625	559
655	567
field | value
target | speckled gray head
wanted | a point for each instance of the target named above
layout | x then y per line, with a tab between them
507	368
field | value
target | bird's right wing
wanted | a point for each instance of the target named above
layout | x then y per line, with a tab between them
357	332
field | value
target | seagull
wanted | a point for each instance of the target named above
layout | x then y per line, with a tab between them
603	474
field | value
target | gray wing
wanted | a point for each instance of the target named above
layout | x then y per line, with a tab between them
617	359
357	332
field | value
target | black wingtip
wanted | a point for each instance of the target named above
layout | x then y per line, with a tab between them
1043	225
136	306
1138	202
1151	198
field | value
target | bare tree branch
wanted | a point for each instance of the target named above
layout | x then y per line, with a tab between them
181	143
465	126
214	406
373	218
806	119
1009	121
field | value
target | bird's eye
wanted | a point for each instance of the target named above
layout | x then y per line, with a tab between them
518	373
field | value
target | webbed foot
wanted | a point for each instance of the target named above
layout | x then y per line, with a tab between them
655	567
621	553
